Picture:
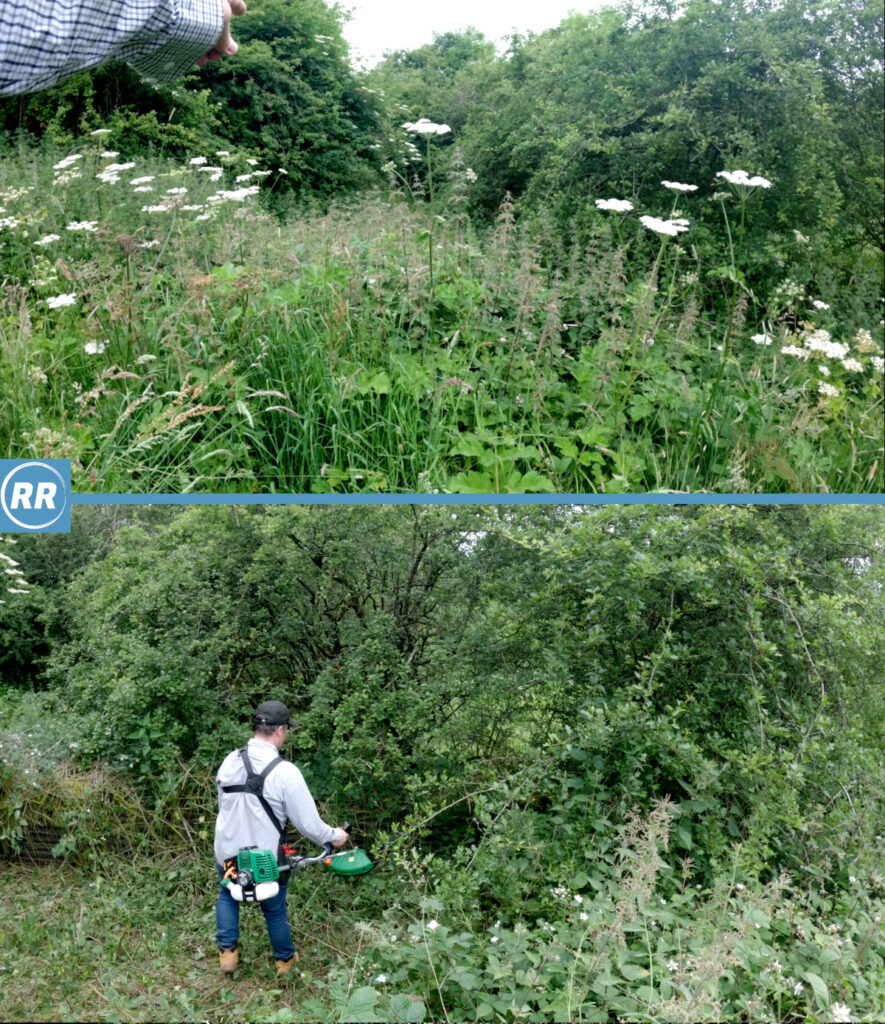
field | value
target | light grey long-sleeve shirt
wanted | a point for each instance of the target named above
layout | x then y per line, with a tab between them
45	41
242	821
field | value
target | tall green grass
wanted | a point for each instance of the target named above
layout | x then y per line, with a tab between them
388	346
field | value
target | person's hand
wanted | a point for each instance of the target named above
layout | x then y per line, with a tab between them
226	45
338	843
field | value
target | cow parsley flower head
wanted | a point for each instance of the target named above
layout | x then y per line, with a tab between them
742	178
762	339
618	205
95	348
47	239
424	126
827	389
57	301
665	227
677	186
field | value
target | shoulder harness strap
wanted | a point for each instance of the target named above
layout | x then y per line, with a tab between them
254	784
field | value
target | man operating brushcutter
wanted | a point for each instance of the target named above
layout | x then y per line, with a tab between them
258	791
42	42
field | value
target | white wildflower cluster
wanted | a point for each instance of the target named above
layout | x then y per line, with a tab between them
863	341
58	301
110	175
9	222
827	389
820	341
68	161
819	304
840	1014
215	173
762	339
47	239
82	225
618	205
424	126
665	227
95	348
234	195
743	178
677	186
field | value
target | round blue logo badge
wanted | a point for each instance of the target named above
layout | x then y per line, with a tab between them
33	495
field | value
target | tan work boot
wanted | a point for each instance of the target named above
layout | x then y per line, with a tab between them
229	958
285	966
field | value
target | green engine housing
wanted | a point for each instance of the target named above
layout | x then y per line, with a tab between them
261	864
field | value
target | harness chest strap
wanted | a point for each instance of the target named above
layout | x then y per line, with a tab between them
254	784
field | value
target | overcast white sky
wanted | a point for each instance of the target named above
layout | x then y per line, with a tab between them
379	25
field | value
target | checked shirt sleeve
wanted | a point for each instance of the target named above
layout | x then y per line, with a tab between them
43	42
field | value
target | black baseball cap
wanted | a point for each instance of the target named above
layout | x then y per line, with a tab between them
272	712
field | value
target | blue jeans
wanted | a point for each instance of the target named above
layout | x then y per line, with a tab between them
227	919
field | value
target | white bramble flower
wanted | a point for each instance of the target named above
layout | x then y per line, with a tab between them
381	979
618	205
672	965
797	987
95	348
432	925
827	389
677	186
495	939
583	916
840	1014
57	301
743	178
424	126
665	227
82	225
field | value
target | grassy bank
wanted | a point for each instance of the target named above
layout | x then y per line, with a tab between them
165	334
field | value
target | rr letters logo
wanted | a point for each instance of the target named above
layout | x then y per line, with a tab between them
35	497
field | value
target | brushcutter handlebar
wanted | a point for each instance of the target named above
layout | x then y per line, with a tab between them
296	861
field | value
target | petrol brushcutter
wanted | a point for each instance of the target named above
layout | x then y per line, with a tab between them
254	874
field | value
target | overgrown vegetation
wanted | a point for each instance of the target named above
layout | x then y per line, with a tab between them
611	762
573	289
